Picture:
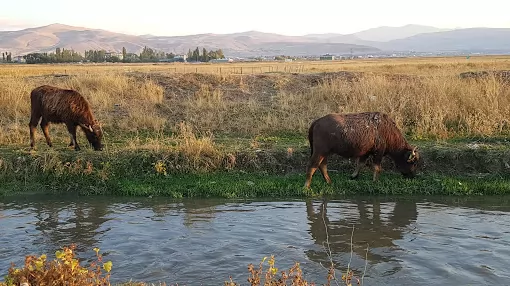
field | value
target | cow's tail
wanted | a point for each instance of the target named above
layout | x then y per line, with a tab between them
310	137
35	99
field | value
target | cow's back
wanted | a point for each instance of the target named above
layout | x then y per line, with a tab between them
58	105
348	135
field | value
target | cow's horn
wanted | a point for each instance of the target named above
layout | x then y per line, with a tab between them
87	127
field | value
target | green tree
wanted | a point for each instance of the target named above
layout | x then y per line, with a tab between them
196	54
220	54
58	53
9	57
205	56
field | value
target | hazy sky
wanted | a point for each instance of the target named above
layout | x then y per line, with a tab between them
289	17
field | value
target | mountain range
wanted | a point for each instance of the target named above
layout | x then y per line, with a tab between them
384	39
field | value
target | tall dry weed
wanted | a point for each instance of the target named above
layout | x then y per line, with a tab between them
14	110
440	106
199	152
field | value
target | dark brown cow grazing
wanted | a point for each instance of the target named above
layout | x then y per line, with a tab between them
56	105
359	135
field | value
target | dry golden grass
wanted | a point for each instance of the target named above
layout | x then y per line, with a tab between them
139	105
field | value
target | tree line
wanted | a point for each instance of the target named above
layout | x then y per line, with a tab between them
61	55
206	56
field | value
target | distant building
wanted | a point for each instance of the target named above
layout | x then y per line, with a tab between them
131	56
327	57
18	59
221	60
176	58
114	54
181	58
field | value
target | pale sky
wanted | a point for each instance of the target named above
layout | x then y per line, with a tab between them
288	17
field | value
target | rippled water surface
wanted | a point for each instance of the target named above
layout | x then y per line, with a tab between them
202	242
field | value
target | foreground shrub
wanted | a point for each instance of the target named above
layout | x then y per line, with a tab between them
64	270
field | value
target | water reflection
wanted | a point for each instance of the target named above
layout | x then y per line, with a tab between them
194	239
376	226
62	223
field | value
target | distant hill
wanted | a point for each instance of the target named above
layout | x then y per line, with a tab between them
426	39
48	38
251	43
373	37
254	43
472	39
385	33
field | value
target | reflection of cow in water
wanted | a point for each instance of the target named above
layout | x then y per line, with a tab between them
65	222
374	231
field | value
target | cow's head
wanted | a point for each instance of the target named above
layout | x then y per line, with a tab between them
94	135
407	162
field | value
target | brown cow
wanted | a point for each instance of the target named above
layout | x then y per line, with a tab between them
57	105
359	135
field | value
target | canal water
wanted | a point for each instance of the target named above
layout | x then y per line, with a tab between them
410	241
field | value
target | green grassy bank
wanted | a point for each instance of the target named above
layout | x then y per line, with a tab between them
242	168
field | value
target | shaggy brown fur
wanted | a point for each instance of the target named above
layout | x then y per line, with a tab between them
359	135
56	105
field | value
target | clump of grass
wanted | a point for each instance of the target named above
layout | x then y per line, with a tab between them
121	101
200	152
64	270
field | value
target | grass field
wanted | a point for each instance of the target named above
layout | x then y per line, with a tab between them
168	124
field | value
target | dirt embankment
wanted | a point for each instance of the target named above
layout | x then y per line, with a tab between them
503	75
241	86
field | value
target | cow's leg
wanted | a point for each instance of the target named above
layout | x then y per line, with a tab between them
45	126
72	133
323	167
34	120
313	164
360	162
377	166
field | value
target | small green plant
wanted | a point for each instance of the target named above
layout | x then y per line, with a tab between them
64	270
